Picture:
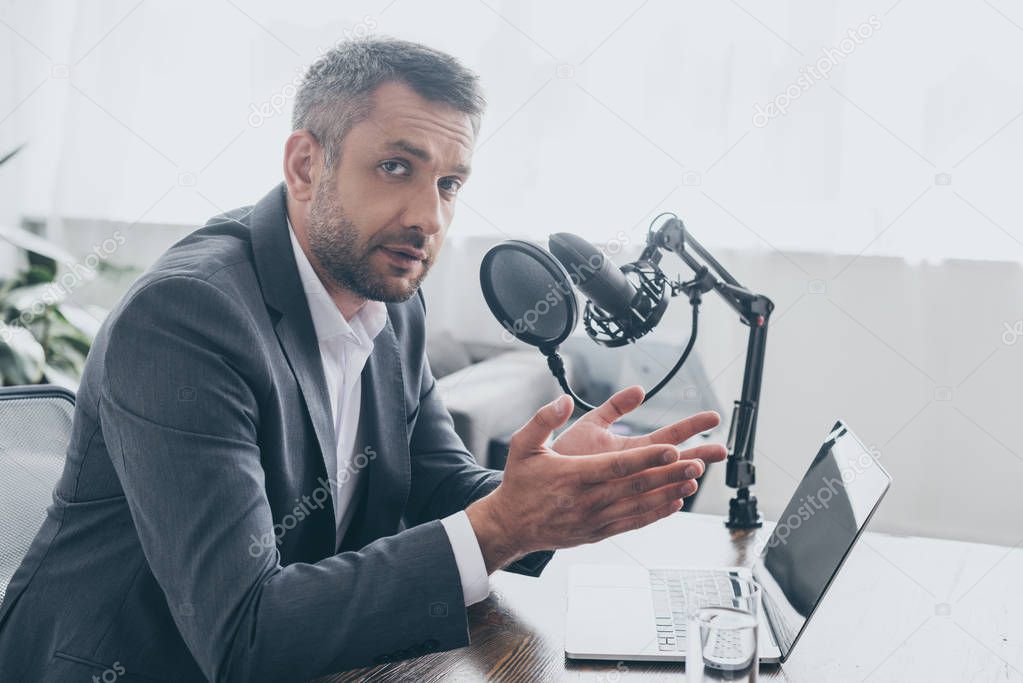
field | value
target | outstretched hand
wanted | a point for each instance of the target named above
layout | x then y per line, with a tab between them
591	433
590	483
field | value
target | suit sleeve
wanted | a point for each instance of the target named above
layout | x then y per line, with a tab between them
445	476
180	411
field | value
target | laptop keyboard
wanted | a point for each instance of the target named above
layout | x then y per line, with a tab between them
676	592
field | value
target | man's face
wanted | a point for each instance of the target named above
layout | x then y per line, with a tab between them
376	224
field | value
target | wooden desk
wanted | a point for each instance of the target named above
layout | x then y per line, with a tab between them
902	609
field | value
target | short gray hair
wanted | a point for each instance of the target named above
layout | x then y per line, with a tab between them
336	91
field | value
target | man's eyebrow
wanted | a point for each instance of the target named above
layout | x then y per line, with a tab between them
423	155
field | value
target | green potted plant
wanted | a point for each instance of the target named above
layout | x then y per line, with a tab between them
44	339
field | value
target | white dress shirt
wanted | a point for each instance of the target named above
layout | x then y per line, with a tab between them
344	348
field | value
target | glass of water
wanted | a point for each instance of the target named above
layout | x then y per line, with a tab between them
722	645
739	593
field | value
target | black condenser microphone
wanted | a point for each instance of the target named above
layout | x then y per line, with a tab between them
620	310
594	274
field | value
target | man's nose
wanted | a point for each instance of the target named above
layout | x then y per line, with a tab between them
425	212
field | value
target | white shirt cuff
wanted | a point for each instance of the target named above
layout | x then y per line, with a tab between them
472	570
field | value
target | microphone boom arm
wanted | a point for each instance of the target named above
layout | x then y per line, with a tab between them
754	311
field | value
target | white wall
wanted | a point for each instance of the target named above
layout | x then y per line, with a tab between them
883	349
598	112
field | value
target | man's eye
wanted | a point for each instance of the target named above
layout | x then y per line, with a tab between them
453	185
393	166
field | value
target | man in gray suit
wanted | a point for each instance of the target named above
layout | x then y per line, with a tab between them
262	482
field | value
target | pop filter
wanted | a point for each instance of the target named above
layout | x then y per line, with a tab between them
530	293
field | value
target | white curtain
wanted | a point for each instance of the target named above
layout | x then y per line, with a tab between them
601	114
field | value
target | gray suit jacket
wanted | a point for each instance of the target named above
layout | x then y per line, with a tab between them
192	536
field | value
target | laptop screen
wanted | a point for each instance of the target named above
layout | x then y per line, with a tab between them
821	522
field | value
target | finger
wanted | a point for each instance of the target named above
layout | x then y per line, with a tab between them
634	506
708	452
623	402
640	521
531	436
594	469
610	492
685	429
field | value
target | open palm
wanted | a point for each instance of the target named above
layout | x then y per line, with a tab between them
591	433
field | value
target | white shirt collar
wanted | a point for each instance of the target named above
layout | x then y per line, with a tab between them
327	318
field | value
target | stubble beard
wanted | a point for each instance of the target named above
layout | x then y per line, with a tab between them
334	240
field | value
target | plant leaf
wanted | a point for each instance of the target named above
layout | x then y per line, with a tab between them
59	377
21	357
64	344
29	241
40	269
81	319
24	298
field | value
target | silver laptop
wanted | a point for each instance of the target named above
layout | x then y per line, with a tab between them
640	613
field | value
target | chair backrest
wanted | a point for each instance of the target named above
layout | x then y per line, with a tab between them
35	428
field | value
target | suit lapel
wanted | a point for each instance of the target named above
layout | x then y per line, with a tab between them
282	290
308	368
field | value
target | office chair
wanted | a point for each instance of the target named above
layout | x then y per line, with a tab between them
35	429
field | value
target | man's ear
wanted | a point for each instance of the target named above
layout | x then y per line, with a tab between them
303	159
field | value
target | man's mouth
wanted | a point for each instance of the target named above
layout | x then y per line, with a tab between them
411	252
404	255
